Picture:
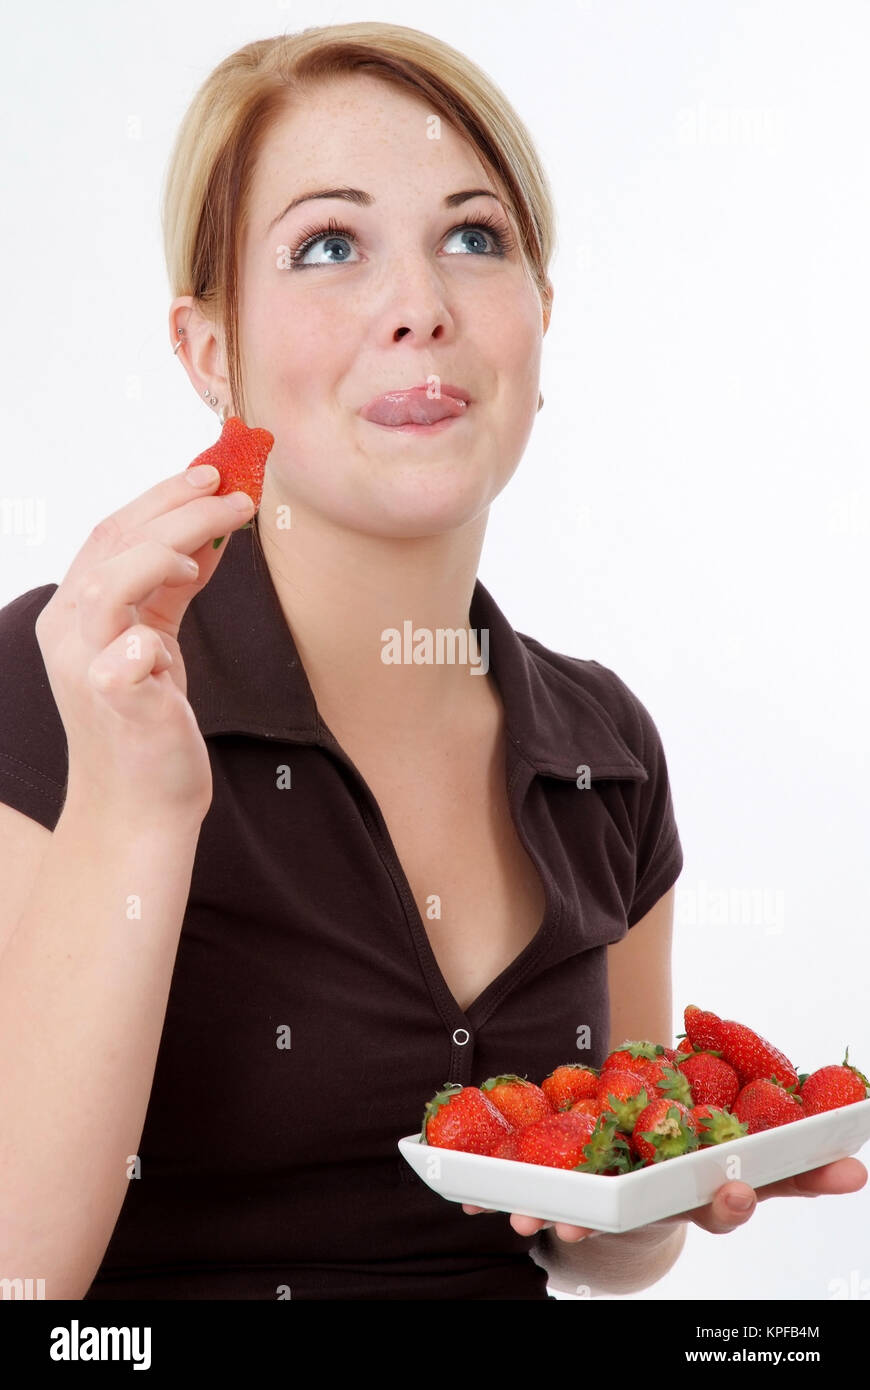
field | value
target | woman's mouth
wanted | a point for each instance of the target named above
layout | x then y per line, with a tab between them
415	411
436	427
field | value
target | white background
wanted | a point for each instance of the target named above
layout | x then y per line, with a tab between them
695	486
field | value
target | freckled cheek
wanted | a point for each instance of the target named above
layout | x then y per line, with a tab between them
295	348
519	360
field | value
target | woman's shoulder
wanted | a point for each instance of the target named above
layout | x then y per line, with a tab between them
608	690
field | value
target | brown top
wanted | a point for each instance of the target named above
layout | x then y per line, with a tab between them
308	1021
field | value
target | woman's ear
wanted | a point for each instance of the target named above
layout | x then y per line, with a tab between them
202	347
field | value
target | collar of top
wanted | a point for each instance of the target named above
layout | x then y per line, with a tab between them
245	676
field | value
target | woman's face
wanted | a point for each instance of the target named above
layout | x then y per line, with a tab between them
405	301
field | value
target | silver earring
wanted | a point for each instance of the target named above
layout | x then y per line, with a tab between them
180	336
212	400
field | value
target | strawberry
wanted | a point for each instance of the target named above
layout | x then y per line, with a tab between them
519	1100
557	1141
670	1054
624	1058
588	1106
462	1117
240	456
507	1147
666	1080
568	1140
830	1087
702	1029
665	1129
608	1151
765	1104
752	1056
713	1080
717	1125
568	1083
624	1094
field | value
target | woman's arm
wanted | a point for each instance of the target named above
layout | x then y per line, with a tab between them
83	995
604	1263
640	992
639	985
609	1264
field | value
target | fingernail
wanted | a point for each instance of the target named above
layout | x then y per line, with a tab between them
202	475
739	1203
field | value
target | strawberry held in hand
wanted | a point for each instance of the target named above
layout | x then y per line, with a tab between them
240	457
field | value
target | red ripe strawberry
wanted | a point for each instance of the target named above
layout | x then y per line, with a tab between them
717	1125
684	1046
608	1149
569	1140
830	1087
507	1148
462	1117
519	1100
568	1083
670	1054
240	456
663	1079
702	1028
752	1056
664	1130
624	1094
557	1141
588	1106
713	1080
764	1104
625	1057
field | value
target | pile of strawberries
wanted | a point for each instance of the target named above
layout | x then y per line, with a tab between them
647	1102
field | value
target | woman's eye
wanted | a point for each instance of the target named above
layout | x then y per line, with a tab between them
336	241
330	242
474	239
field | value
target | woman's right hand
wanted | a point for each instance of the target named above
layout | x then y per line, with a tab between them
133	742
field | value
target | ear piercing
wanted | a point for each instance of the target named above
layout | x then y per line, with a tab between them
212	400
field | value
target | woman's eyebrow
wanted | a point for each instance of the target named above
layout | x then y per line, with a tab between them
364	200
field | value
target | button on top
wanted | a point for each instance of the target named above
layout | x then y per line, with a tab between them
458	1038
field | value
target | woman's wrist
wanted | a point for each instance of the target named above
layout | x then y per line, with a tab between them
607	1262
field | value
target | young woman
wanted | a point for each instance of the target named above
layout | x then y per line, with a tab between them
292	887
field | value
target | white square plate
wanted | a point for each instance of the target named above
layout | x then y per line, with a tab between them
648	1194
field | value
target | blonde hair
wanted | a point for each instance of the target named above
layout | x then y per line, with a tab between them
209	176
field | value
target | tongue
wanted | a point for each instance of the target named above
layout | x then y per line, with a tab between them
416	410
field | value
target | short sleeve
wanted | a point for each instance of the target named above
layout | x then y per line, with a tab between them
658	851
33	747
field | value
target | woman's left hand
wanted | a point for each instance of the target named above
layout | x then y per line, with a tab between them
719	1216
